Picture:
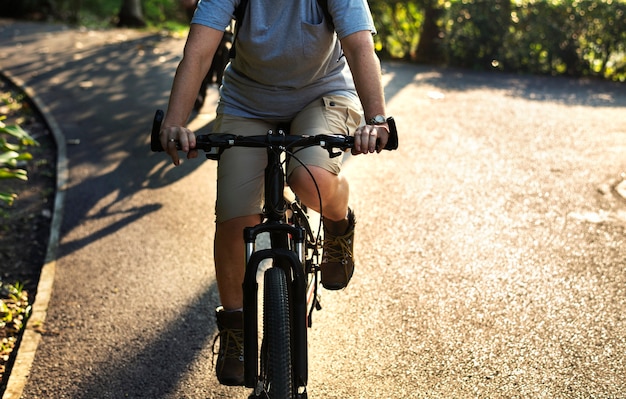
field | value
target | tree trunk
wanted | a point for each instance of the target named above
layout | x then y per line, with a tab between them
131	14
428	50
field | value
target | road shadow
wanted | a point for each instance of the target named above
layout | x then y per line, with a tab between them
155	370
104	99
564	90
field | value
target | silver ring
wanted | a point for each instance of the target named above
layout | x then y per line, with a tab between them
171	140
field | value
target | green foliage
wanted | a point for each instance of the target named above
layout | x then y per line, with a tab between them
13	143
577	38
157	13
163	12
14	310
398	25
570	37
96	13
475	31
13	305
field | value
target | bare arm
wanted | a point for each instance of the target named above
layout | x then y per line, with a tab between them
365	66
201	45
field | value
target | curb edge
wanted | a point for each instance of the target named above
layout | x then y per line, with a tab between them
32	332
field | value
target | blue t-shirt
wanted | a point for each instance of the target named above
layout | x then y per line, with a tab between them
286	54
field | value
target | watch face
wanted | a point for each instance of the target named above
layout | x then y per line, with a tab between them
378	119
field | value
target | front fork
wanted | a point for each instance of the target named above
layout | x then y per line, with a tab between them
291	261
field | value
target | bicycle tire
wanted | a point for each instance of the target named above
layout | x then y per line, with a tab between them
277	369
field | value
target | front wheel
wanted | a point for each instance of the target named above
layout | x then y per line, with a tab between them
276	366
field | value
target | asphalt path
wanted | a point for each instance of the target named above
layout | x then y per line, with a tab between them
490	247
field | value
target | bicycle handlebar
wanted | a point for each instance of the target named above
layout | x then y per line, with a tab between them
214	144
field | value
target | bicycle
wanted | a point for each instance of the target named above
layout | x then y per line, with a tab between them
278	370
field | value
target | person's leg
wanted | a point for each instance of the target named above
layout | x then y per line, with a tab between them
229	259
238	205
328	115
334	191
314	176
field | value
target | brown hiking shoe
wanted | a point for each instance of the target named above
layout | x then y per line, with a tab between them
229	366
337	259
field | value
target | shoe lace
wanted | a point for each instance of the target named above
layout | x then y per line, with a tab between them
338	248
231	344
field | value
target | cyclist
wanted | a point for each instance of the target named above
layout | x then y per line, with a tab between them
299	62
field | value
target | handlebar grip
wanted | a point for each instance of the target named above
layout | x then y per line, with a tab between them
392	143
155	141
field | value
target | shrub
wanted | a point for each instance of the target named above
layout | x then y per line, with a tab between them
577	38
558	37
570	37
13	143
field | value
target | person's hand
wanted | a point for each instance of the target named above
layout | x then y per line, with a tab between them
370	138
175	138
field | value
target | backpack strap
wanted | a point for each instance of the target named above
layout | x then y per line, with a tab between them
240	12
329	18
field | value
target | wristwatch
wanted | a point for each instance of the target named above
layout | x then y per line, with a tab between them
377	120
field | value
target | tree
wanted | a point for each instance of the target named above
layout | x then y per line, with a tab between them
131	14
429	49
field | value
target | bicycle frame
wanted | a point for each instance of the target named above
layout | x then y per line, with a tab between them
291	260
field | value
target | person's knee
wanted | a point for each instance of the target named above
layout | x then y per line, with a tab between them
310	178
315	183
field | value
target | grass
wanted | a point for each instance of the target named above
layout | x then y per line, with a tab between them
14	310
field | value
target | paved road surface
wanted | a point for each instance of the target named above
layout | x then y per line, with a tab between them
490	247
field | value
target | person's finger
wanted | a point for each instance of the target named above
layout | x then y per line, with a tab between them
373	136
357	141
192	154
172	150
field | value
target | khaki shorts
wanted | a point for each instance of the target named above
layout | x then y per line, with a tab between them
241	171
